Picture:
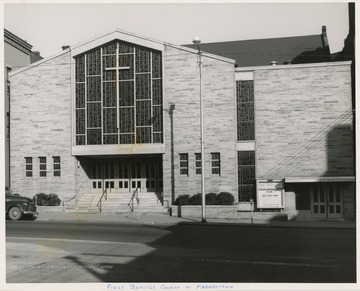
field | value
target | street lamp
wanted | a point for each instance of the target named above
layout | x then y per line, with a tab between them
197	42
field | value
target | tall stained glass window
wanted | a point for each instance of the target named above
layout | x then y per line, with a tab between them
245	110
246	175
118	95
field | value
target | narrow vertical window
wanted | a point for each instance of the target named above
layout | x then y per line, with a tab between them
198	164
28	167
215	163
42	166
184	164
246	175
56	167
245	110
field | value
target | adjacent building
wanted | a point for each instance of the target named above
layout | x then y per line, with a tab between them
120	113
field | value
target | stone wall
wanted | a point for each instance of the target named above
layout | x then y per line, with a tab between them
303	121
41	127
181	86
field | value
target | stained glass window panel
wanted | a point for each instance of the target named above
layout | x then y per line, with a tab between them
127	139
80	121
110	120
93	89
93	62
110	48
157	92
156	65
142	60
125	48
126	119
157	138
143	87
80	95
143	113
245	110
80	69
246	175
109	94
110	139
93	136
93	115
143	135
126	93
157	118
80	140
109	62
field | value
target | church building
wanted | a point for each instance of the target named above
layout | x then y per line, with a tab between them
120	114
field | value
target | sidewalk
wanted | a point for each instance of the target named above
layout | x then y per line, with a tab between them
165	219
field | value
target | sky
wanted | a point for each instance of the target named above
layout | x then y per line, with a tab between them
49	26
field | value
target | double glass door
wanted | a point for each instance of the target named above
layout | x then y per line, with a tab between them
125	175
326	201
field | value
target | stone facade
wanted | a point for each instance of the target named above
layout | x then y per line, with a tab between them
303	128
303	121
181	87
41	127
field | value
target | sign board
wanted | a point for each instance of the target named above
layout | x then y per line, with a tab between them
270	194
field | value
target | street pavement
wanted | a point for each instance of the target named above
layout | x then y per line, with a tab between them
155	246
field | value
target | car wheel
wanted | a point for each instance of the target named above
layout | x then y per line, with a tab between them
15	213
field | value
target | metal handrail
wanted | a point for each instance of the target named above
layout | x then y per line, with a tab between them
77	192
100	201
132	199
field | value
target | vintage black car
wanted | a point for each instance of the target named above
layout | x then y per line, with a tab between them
17	206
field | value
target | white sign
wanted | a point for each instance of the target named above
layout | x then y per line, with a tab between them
270	194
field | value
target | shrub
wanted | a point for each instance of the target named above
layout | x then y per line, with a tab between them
210	198
182	200
43	199
195	199
225	198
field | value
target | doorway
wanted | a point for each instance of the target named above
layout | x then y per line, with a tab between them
124	175
326	201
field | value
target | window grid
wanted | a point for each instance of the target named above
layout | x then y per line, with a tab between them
42	166
120	71
28	167
215	164
56	167
184	164
245	110
246	175
198	163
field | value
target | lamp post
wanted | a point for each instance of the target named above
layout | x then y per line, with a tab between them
197	42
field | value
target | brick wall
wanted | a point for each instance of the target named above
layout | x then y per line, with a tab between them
41	115
181	86
303	121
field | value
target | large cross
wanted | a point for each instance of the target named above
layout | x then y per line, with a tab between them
117	68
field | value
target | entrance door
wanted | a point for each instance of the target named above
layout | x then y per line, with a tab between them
127	174
318	202
123	174
326	201
335	202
